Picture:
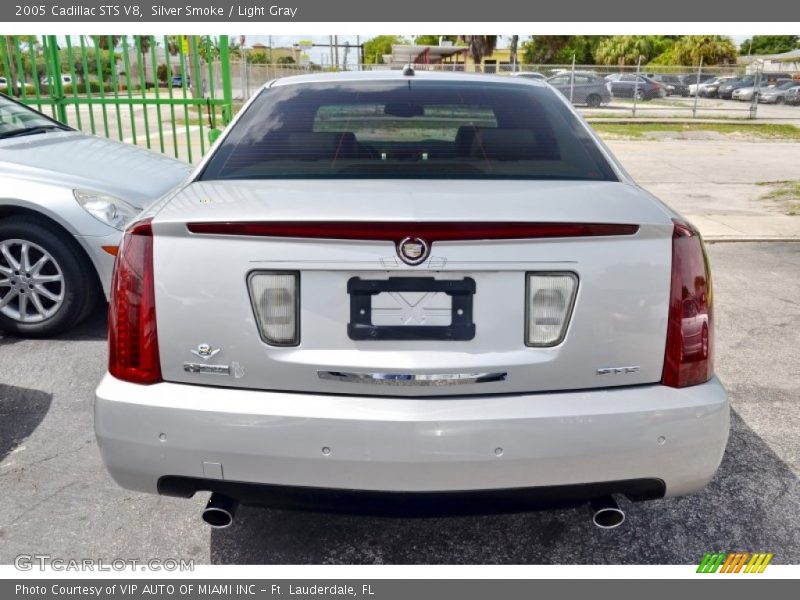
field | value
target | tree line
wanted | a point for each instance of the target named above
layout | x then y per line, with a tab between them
687	50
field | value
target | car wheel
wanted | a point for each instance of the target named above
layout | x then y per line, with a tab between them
779	100
593	101
46	285
639	95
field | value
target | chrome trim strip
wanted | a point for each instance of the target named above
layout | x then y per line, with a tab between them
411	379
206	368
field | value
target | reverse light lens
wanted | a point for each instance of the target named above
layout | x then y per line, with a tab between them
275	297
132	334
107	209
550	297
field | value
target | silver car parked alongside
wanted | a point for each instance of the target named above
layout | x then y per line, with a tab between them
64	200
403	292
582	88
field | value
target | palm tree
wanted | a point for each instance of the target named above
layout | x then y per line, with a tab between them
713	49
625	50
480	46
513	51
144	48
13	76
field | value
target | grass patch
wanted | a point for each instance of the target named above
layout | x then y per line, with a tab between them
770	131
785	193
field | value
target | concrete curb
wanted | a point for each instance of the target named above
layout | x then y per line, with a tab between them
724	240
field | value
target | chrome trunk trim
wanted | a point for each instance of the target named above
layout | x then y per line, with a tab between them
411	379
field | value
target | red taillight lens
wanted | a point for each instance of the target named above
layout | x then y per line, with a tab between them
690	331
132	336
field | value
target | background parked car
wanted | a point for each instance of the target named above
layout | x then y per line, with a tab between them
586	88
745	94
690	78
625	85
792	96
65	196
529	75
725	91
177	81
776	94
709	88
673	84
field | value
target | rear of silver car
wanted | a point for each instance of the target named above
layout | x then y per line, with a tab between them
450	344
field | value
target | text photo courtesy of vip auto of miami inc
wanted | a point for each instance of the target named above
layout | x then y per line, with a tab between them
275	296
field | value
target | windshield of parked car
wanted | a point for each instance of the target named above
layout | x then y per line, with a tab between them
18	119
409	129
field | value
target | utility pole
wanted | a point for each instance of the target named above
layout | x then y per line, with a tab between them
336	50
330	44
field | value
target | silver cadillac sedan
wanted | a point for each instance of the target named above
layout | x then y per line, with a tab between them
411	293
65	197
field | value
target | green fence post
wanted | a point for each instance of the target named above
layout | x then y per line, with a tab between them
227	93
56	89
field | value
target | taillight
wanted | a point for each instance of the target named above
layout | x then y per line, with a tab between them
132	336
690	330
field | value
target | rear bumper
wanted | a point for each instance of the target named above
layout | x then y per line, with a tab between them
176	439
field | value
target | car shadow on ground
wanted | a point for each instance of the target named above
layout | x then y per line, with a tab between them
748	506
21	412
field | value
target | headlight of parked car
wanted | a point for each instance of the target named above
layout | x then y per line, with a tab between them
107	209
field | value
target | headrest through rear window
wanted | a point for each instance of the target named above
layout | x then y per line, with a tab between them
512	144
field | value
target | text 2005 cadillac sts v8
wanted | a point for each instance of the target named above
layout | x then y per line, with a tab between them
396	292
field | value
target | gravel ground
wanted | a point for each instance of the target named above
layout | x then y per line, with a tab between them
58	499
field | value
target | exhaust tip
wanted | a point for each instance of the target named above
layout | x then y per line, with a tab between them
608	518
217	518
220	511
606	513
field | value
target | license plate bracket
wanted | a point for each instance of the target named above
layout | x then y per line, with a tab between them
362	291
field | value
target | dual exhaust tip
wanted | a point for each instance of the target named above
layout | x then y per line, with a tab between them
606	513
221	510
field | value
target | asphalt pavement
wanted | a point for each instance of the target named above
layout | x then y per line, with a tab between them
57	498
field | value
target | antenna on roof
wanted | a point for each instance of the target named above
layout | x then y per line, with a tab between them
408	70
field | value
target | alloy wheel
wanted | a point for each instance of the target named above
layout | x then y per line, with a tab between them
31	282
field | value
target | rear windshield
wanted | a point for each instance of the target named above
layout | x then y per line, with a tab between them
408	129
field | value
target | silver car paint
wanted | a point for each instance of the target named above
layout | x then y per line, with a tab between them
390	444
39	172
606	330
401	443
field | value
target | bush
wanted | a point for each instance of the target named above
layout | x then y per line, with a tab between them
30	90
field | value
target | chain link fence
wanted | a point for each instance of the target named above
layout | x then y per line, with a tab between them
677	99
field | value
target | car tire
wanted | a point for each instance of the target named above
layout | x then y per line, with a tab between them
639	95
593	101
59	290
780	100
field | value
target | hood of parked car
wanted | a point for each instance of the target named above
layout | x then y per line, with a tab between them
80	161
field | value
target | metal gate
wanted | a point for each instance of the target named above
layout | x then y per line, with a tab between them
168	93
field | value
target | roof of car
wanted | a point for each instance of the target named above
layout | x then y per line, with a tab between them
397	75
